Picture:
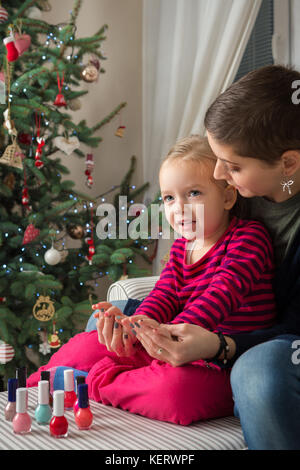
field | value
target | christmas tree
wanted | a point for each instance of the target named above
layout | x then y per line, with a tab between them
46	287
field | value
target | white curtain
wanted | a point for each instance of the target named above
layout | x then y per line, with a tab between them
191	52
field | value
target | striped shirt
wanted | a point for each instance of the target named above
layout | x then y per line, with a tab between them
229	289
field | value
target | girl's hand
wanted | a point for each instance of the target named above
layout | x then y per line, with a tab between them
110	331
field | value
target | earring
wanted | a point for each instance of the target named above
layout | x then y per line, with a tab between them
286	185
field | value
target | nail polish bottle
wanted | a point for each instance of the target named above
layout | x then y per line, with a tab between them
22	421
21	375
58	423
43	412
70	395
80	379
45	375
83	416
10	409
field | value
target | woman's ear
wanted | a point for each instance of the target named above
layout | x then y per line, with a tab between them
230	194
290	162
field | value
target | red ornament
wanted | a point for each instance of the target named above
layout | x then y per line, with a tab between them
24	139
60	99
89	257
39	152
12	53
30	234
89	163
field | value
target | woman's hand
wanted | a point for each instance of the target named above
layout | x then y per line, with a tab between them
179	344
110	332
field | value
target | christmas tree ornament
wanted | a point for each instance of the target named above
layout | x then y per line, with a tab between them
34	13
7	352
44	347
89	163
52	256
67	145
40	141
24	139
91	250
43	309
120	131
44	5
3	15
90	73
12	53
60	99
75	104
22	42
9	124
39	152
25	197
12	156
54	341
2	88
30	234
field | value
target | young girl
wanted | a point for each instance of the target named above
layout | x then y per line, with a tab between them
223	284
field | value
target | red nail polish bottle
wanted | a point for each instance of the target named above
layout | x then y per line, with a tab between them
70	395
80	379
58	423
84	416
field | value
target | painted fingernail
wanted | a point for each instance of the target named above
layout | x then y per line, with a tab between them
116	325
137	325
118	317
125	336
132	325
134	332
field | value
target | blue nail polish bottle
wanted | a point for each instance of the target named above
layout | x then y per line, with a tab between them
43	412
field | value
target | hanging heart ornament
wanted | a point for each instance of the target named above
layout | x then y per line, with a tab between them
22	42
67	145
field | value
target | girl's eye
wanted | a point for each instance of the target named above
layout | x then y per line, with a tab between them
195	192
167	198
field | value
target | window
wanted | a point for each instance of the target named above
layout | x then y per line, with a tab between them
259	48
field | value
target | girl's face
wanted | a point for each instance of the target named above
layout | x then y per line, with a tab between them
191	183
250	176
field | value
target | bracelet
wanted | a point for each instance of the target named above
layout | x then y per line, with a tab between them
223	348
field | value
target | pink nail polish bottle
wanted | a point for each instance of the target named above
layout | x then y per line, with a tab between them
58	424
70	395
83	416
80	379
22	421
10	409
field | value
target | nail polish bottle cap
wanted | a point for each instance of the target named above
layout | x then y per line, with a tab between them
69	380
21	405
58	402
83	396
21	375
12	387
43	392
45	375
80	379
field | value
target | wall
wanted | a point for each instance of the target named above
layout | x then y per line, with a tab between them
295	33
121	82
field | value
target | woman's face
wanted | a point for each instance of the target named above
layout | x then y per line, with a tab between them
250	176
187	185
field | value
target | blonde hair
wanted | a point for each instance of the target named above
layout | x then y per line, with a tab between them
193	148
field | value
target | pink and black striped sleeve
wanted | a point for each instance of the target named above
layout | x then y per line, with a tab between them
247	261
162	304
